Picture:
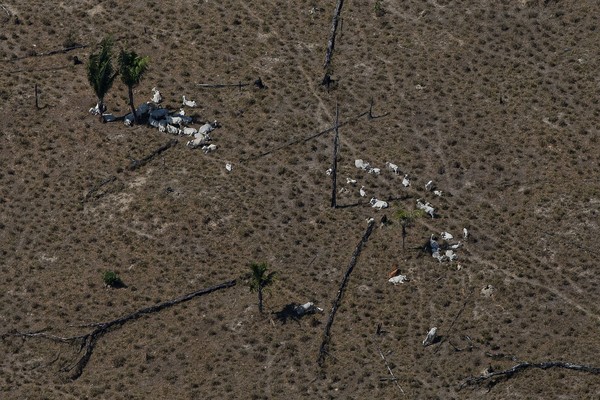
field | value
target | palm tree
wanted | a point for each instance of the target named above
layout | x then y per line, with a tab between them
132	68
406	219
260	280
100	72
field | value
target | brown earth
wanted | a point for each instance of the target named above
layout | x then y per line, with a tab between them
496	101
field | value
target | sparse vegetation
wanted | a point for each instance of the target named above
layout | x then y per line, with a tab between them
112	279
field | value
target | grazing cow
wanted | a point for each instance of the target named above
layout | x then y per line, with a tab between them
393	167
405	181
426	207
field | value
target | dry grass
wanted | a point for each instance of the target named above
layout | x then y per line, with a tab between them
494	102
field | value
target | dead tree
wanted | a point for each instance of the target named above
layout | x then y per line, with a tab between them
87	341
135	164
496	376
323	351
336	139
331	41
36	93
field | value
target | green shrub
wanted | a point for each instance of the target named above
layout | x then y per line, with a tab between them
112	279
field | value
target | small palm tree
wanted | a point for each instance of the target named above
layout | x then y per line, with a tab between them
132	69
259	280
406	219
101	73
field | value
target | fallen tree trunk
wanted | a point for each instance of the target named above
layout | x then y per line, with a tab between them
97	187
135	164
496	376
331	41
338	298
88	341
222	85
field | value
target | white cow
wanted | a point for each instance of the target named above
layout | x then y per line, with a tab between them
398	279
426	207
360	164
451	255
306	308
209	148
431	336
405	181
189	131
447	236
189	103
156	97
393	167
199	140
379	204
208	127
173	130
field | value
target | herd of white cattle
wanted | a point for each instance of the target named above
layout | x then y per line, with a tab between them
172	122
446	251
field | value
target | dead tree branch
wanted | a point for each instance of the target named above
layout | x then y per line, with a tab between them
222	85
324	350
97	187
306	139
496	376
53	52
88	341
331	41
135	164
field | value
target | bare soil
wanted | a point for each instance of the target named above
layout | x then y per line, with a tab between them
495	101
